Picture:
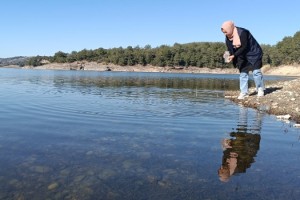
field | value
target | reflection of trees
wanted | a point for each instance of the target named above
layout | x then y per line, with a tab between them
151	81
145	86
240	150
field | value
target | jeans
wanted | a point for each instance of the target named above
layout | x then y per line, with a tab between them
258	80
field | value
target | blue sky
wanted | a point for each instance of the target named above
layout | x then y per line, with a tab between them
36	27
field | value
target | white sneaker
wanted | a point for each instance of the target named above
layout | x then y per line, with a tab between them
260	92
243	96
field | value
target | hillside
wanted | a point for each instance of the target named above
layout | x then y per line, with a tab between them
18	60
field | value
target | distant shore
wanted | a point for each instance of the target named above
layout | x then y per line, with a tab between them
288	70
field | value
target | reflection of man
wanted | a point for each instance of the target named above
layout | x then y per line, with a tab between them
239	151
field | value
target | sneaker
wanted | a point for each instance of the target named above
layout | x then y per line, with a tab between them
260	92
242	96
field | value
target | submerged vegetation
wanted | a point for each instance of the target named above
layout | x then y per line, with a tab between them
198	54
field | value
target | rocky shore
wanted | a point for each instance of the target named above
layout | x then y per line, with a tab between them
281	99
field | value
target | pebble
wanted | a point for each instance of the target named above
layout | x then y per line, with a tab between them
52	186
40	169
79	178
284	117
297	125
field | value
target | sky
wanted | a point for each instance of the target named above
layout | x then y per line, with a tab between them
44	27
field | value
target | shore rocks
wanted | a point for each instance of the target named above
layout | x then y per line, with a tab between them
281	99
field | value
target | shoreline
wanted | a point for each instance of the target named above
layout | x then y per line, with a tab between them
93	66
286	70
267	70
281	99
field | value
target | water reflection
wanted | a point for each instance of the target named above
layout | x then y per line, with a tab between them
240	150
174	82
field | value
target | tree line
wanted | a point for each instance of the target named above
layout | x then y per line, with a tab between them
198	54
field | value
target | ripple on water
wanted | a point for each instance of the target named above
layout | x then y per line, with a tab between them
71	136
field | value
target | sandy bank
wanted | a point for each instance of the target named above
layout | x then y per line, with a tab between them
93	66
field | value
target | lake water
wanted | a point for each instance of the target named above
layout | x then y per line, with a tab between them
115	135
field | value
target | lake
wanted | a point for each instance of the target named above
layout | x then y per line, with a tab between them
125	135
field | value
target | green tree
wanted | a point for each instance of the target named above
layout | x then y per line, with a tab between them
199	54
60	57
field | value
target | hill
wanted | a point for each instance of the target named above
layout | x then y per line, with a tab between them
18	60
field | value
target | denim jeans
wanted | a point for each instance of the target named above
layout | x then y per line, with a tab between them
258	80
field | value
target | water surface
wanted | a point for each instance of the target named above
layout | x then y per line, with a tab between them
117	135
